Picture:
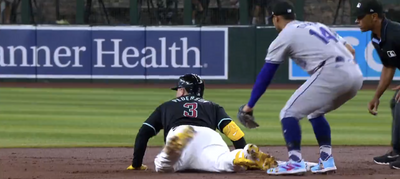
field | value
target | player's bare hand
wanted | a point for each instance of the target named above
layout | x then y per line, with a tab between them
373	106
245	116
143	167
247	109
396	88
397	97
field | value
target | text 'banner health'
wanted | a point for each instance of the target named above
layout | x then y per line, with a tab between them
123	52
366	56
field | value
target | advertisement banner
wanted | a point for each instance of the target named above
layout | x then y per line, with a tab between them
123	52
366	56
17	52
63	53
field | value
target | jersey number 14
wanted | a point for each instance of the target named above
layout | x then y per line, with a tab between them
191	110
324	35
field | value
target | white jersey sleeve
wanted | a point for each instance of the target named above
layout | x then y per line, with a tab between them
311	44
340	38
279	49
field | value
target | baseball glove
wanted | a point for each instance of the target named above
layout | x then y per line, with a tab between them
246	118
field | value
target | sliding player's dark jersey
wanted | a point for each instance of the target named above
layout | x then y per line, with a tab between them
187	110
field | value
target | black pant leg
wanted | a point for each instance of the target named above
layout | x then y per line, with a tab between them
395	107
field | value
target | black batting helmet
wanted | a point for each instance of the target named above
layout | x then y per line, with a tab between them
192	83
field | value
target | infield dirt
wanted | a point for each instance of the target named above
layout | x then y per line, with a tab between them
111	163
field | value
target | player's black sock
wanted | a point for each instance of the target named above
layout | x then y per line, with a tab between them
322	132
292	133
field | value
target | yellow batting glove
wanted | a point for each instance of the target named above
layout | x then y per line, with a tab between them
143	167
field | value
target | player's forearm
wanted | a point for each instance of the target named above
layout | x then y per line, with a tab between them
143	136
351	49
233	132
264	78
239	144
386	78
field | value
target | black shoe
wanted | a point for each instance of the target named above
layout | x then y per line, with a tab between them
395	164
387	158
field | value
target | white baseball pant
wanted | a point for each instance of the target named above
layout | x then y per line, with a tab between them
206	152
326	90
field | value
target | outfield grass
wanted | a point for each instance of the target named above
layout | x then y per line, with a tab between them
112	117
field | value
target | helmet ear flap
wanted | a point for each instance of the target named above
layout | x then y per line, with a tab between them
192	83
200	90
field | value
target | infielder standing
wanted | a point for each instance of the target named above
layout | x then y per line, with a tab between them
189	124
335	79
386	40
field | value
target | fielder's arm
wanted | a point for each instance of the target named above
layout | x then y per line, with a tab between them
278	52
344	42
150	128
351	50
227	126
348	46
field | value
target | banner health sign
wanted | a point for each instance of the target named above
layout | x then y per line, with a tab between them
124	52
366	56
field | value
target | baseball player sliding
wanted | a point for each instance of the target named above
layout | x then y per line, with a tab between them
335	79
189	124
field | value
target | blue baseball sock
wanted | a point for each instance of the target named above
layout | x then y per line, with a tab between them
292	133
322	132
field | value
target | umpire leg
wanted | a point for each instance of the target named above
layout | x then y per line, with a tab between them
395	107
394	154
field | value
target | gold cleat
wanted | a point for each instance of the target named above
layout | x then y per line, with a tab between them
143	167
264	161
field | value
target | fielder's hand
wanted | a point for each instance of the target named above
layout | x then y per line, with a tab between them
143	167
246	118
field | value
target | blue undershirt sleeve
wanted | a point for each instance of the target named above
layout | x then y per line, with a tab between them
263	80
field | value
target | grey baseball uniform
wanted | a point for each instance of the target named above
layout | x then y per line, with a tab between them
335	77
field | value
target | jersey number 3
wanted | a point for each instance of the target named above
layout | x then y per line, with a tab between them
323	35
191	110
